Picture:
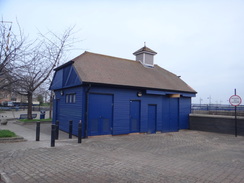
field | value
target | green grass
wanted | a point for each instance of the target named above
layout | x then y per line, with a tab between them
6	133
34	120
45	104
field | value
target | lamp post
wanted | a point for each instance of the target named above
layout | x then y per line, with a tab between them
201	102
209	98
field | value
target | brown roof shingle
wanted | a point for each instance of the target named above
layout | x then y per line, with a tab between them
97	68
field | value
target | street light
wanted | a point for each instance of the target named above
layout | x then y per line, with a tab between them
209	98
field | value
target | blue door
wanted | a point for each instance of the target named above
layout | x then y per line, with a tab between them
135	116
152	118
100	113
185	110
174	114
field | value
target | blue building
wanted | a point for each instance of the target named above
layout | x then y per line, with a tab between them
115	96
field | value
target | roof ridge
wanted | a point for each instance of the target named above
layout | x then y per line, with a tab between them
125	59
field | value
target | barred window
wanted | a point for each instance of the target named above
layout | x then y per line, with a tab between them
70	98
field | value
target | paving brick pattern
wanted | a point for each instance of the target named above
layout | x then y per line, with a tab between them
185	157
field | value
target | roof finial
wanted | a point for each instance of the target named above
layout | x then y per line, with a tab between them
144	44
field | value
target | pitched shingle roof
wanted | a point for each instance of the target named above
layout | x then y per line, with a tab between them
102	69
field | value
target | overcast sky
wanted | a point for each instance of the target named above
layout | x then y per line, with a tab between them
200	40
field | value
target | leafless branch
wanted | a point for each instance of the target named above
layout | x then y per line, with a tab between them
29	64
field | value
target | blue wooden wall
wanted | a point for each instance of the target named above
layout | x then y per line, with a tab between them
171	113
64	112
64	78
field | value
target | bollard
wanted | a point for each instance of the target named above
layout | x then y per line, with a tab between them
57	130
70	128
79	131
53	135
38	131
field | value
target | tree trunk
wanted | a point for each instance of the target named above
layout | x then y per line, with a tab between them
51	105
29	110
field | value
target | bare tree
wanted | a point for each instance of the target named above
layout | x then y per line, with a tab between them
11	48
39	61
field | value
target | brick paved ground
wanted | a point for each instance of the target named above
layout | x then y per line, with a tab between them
185	156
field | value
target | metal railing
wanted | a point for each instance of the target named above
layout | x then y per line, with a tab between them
217	109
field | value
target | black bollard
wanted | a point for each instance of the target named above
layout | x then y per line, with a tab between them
70	128
79	131
57	130
53	132
38	131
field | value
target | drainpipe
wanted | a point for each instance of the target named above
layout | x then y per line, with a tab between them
86	110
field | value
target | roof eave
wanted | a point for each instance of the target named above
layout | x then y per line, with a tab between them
137	87
64	65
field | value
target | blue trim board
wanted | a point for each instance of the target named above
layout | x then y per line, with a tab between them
159	92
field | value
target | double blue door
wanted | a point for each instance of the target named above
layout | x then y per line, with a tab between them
100	114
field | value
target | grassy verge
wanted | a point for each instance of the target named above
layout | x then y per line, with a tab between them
6	133
34	120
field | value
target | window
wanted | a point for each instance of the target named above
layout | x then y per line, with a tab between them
70	98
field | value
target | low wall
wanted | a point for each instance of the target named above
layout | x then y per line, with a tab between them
217	123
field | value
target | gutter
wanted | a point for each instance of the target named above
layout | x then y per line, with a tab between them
86	110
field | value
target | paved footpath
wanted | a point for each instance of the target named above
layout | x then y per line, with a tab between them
185	157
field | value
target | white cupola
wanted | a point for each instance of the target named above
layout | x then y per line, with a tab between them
145	56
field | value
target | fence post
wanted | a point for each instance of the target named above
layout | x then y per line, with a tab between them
70	128
79	131
38	131
53	135
57	130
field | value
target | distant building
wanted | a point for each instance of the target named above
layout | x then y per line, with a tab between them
9	96
119	96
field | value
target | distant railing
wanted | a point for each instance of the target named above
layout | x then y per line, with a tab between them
8	108
34	108
222	107
217	109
